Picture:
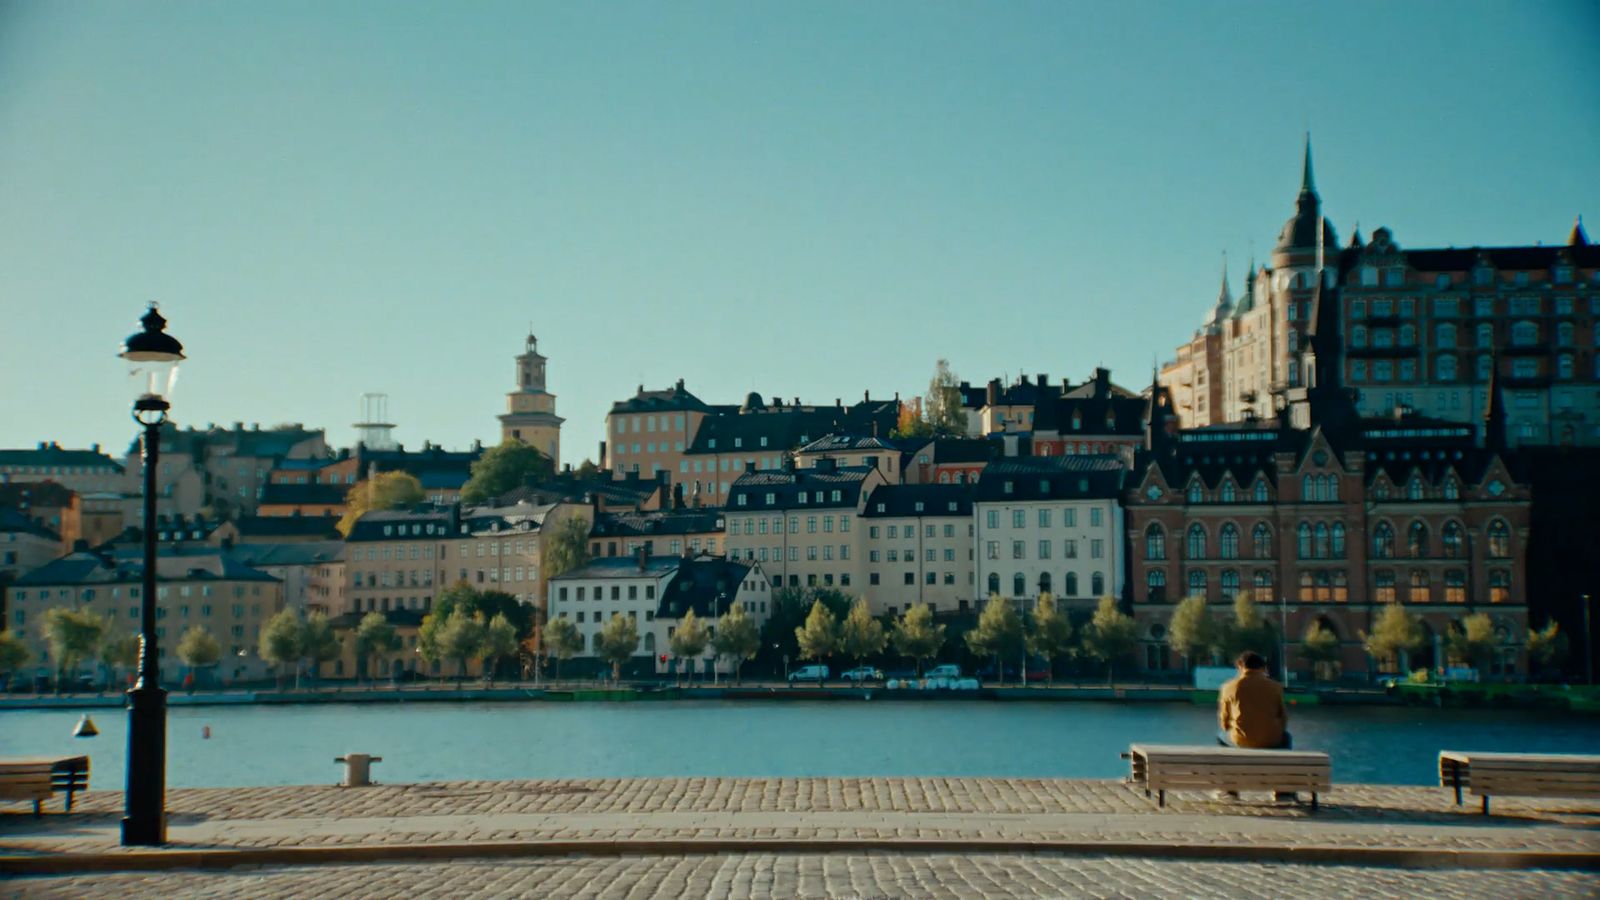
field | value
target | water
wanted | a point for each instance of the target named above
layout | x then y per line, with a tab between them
274	745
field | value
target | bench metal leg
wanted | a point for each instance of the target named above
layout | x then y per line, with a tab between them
1161	799
1455	778
69	798
1313	801
36	812
1486	804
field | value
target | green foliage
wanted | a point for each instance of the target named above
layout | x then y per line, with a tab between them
118	652
1247	630
198	649
861	635
499	642
1473	643
1111	635
73	636
428	636
1320	646
790	606
374	635
916	635
280	639
568	548
1192	630
690	638
586	471
737	638
999	630
941	408
318	643
561	641
14	652
619	639
1547	646
1051	634
460	638
504	468
464	598
386	490
1393	632
818	638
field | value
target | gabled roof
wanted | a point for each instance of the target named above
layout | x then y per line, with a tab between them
35	493
789	427
652	524
785	486
623	567
516	517
1509	258
286	526
301	553
674	399
52	454
423	521
14	522
86	567
1051	478
705	584
910	500
852	443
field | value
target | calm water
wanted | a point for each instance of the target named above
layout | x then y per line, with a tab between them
267	745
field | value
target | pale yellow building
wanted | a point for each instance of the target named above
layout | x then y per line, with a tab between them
530	415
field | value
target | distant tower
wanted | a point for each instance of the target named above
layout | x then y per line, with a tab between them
530	415
374	429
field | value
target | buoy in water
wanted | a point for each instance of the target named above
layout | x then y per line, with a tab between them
205	732
85	728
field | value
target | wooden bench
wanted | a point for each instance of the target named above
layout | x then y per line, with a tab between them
37	777
1177	767
1520	774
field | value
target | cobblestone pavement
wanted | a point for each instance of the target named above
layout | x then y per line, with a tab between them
879	808
859	875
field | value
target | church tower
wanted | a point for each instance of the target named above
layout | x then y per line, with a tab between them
530	415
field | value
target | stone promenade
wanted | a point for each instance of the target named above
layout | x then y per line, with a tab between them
807	837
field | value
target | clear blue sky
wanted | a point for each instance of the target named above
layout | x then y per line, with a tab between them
804	199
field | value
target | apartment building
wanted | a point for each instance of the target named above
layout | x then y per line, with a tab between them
918	543
801	523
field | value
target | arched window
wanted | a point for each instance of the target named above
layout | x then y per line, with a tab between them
1330	489
1322	548
1303	541
1228	492
1044	582
1197	541
1308	488
1155	542
1338	540
1261	491
1230	584
1452	489
1445	334
1155	582
1414	488
1499	539
1263	584
1383	541
994	583
1499	586
1197	583
1097	584
1261	537
1450	538
1419	586
1229	541
1019	585
1417	540
1072	584
1194	491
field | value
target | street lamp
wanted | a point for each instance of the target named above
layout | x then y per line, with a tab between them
153	358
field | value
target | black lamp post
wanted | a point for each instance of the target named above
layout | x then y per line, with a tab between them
153	358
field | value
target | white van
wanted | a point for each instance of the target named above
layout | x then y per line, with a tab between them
809	673
948	670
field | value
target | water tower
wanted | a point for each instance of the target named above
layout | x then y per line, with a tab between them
375	430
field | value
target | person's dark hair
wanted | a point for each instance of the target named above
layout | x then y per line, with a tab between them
1250	660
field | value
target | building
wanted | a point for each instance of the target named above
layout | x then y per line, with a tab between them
918	547
503	547
80	471
1096	418
800	523
891	456
311	572
400	558
530	415
1421	330
221	471
211	589
657	592
953	460
26	543
317	487
276	530
675	532
648	432
1050	525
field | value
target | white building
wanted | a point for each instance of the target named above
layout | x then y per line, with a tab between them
918	545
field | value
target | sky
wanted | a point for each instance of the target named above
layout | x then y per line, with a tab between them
802	199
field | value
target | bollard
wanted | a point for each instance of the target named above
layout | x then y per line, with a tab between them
357	768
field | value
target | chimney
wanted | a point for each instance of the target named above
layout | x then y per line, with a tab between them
255	426
644	556
838	402
788	462
992	395
41	445
1041	379
680	384
238	426
866	396
677	496
827	464
663	477
95	447
750	467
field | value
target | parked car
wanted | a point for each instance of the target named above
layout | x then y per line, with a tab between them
948	670
1041	674
862	673
809	673
988	672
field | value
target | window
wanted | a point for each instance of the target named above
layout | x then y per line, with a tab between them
1261	538
1097	584
1230	584
1303	541
1564	334
1096	517
1197	583
1019	518
1358	336
1383	584
1044	518
1450	540
1155	582
1228	540
1338	540
1408	335
1564	366
1499	586
1524	334
1018	550
1194	491
1071	584
1419	587
1197	541
1069	548
1485	335
1417	540
1044	550
1455	586
1260	494
1446	368
1155	542
992	518
1019	585
1499	539
1228	493
1097	549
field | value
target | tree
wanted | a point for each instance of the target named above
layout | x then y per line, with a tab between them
73	636
318	643
860	636
429	643
1320	647
790	606
689	639
461	638
198	649
910	425
280	642
499	642
1473	643
569	547
818	638
1393	633
999	632
118	652
463	597
1111	635
1247	630
505	468
561	641
916	635
386	490
1051	635
941	408
586	471
1547	646
1192	631
374	635
13	654
618	641
737	638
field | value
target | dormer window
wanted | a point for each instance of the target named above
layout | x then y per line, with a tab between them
1044	485
1194	495
1483	275
737	443
772	499
741	500
1563	274
1006	488
711	443
881	507
763	440
919	506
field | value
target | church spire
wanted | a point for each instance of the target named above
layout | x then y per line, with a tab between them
1579	237
1308	183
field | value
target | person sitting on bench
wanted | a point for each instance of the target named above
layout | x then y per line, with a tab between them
1251	714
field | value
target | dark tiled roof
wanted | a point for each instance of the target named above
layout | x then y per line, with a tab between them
854	443
126	566
303	494
508	518
35	493
239	440
705	584
442	520
14	522
286	526
786	486
1075	415
623	567
965	450
650	524
301	553
901	500
53	455
789	427
1051	478
1509	258
674	399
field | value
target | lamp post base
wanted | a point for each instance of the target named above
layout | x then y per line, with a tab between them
144	822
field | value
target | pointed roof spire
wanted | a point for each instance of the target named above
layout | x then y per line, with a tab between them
1356	241
1579	237
1224	298
1308	183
